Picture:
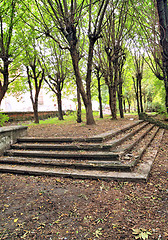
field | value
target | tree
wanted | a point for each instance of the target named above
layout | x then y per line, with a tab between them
34	68
67	18
56	65
151	16
120	84
163	21
37	76
116	29
99	76
139	64
9	18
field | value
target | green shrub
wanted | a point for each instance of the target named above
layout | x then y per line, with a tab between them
158	107
3	118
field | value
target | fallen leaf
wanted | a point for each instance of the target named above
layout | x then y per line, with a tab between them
16	219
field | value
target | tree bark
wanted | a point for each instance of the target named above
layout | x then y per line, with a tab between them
59	101
89	112
111	81
4	87
166	89
112	101
99	95
124	106
85	96
35	110
140	93
163	21
120	97
79	107
5	51
136	87
115	82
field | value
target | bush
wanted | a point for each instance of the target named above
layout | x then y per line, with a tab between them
3	118
158	107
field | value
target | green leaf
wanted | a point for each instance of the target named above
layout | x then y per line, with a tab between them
143	235
136	231
143	229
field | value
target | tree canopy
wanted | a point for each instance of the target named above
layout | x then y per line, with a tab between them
85	41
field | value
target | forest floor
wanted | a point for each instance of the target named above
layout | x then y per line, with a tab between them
41	207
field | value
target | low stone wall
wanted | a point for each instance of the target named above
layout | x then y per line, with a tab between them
9	135
23	116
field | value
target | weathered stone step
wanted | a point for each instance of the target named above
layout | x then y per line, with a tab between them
140	149
82	163
126	147
97	138
65	163
73	146
73	173
140	172
116	142
69	155
58	147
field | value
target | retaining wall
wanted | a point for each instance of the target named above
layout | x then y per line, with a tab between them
9	135
22	116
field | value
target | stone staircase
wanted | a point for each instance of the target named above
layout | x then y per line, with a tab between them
125	154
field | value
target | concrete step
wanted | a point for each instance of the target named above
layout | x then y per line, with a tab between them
98	163
117	142
134	156
59	147
74	173
97	138
140	172
127	146
66	163
62	155
74	146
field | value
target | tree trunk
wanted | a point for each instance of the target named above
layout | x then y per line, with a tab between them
163	21
59	101
89	112
145	105
112	86
99	95
110	98
166	89
124	106
136	87
3	90
115	82
86	97
35	109
140	94
79	108
4	87
120	99
129	107
112	102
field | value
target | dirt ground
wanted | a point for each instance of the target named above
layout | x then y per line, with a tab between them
34	207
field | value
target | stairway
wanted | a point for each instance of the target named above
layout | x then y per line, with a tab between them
126	154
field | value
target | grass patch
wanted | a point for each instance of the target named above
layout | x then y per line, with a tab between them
71	119
68	119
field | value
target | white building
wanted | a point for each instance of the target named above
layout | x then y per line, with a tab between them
46	103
